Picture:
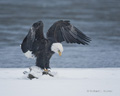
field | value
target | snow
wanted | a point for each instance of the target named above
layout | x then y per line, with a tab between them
67	82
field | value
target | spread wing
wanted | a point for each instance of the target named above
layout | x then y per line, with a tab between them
32	43
64	31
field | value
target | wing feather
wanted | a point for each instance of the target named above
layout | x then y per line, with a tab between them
64	31
34	38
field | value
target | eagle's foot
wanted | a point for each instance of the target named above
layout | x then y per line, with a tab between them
47	72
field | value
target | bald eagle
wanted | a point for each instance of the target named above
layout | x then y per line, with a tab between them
35	45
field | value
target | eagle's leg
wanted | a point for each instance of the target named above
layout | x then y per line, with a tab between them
46	69
47	65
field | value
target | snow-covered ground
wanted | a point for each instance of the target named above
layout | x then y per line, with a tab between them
67	82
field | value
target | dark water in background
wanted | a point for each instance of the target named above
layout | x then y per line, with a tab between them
99	19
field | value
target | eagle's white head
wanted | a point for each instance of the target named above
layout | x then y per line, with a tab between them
57	48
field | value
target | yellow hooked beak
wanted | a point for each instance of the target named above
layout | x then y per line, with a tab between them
60	53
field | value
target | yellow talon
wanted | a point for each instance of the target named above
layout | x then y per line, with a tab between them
46	70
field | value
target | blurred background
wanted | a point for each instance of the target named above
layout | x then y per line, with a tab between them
98	19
